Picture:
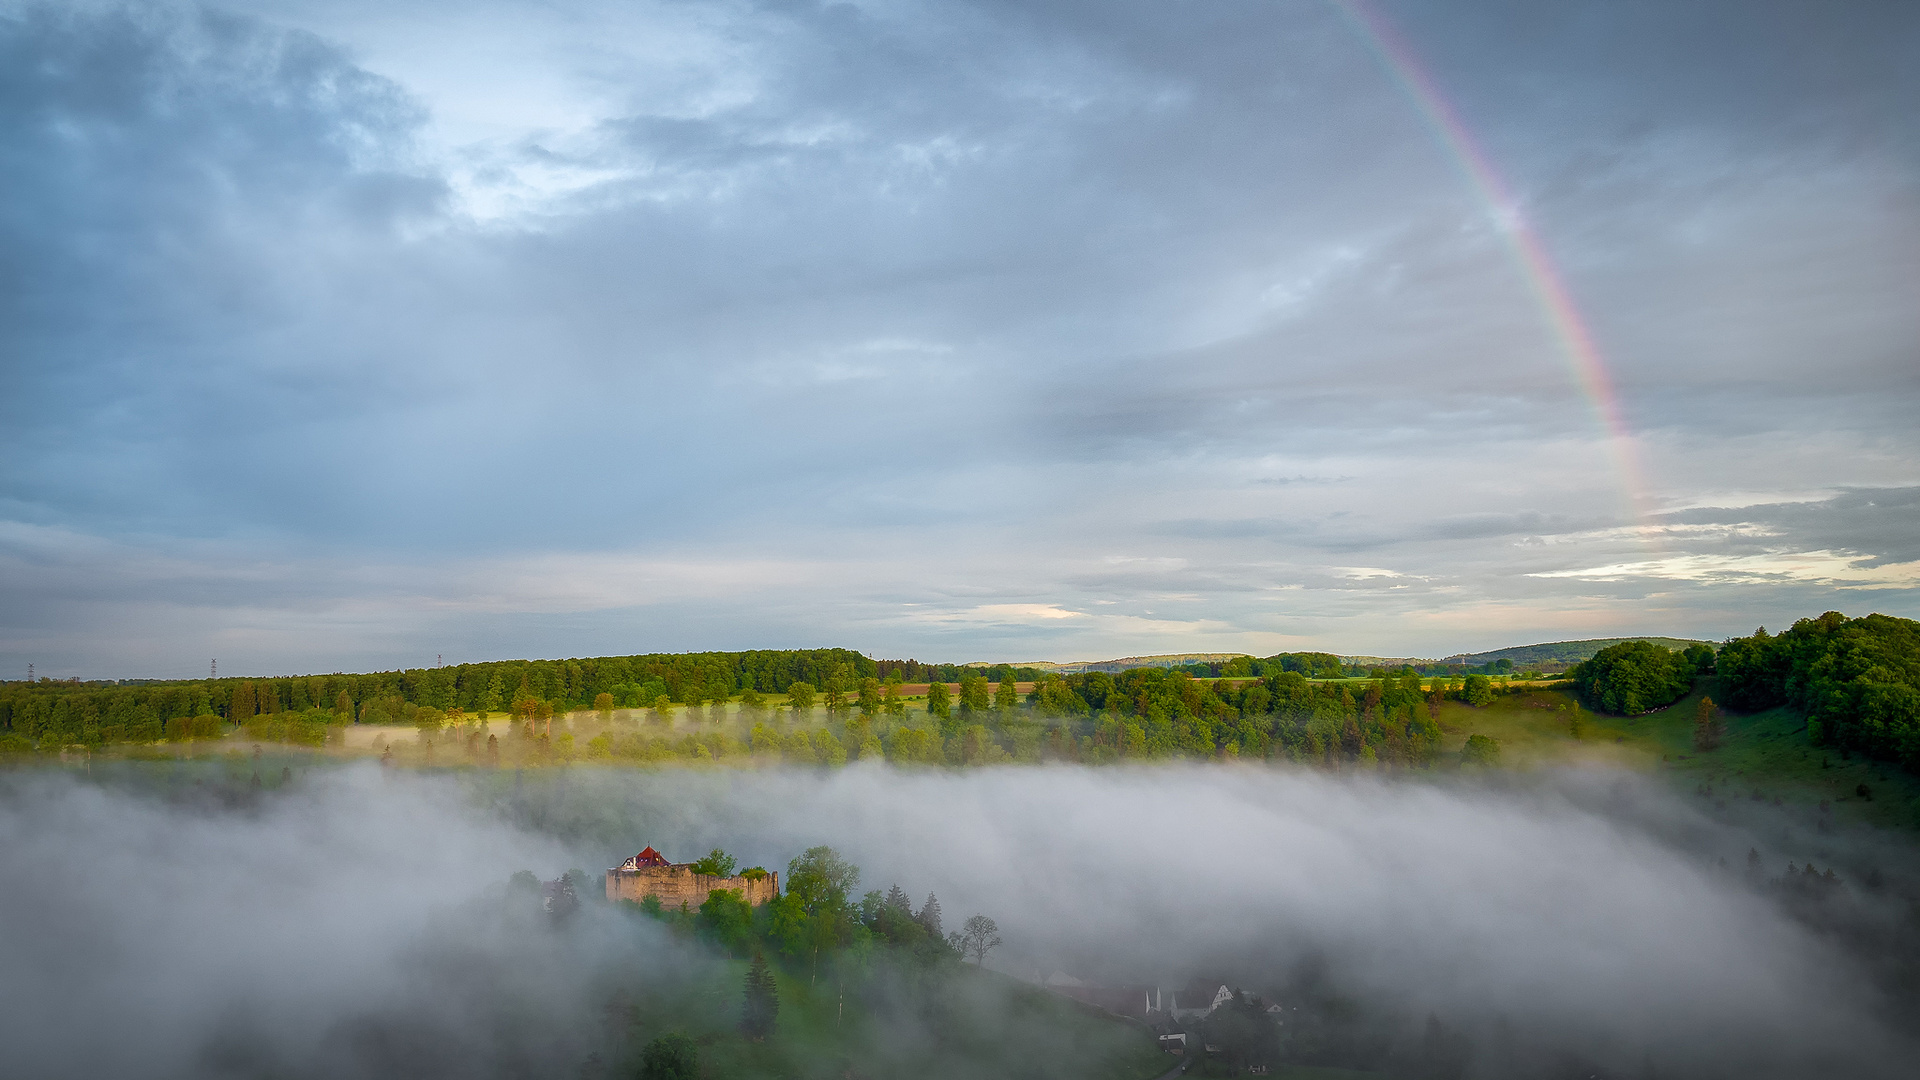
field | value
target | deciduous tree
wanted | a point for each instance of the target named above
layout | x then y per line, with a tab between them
977	936
800	694
1006	696
821	880
726	919
1707	726
715	863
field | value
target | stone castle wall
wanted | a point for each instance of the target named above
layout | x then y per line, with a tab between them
678	884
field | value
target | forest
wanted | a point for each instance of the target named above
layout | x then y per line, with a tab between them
1856	680
1139	714
51	714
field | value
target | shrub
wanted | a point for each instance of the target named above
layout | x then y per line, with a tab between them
715	863
670	1057
1481	750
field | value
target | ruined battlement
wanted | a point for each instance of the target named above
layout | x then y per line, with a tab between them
650	874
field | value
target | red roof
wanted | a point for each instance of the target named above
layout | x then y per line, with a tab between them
650	857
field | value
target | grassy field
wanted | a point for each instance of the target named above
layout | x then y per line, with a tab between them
1765	756
988	1025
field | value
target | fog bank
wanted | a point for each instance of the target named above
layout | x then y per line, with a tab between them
331	926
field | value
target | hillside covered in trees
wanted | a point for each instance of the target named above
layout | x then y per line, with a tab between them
1564	652
1856	680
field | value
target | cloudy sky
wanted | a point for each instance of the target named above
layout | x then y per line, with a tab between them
346	335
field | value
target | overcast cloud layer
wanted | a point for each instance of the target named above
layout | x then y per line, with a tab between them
340	335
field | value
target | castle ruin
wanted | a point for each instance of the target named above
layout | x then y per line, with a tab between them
650	874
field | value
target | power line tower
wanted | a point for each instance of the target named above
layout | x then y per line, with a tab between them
213	669
29	672
439	660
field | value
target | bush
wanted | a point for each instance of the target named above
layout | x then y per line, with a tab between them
715	863
204	726
1633	677
670	1057
1480	750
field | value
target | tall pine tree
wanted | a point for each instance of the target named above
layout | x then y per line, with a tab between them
761	1009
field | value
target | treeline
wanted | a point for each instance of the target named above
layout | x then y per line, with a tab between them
1155	712
1856	680
71	713
1317	665
913	671
50	713
1141	714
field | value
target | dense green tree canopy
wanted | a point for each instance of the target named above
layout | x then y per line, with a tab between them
1633	677
821	880
1857	680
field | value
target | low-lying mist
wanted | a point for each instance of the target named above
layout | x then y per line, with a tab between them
338	925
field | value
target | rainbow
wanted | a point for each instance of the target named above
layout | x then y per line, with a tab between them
1529	250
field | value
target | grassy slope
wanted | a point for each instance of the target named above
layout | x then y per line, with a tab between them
1765	753
1013	1030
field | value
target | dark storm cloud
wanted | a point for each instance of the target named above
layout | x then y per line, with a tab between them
970	298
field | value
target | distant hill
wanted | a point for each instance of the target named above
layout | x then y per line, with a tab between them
1562	652
1122	664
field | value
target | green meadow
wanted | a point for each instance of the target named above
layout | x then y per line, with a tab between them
1765	756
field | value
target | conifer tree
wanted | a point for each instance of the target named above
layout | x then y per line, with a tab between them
761	1009
929	918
